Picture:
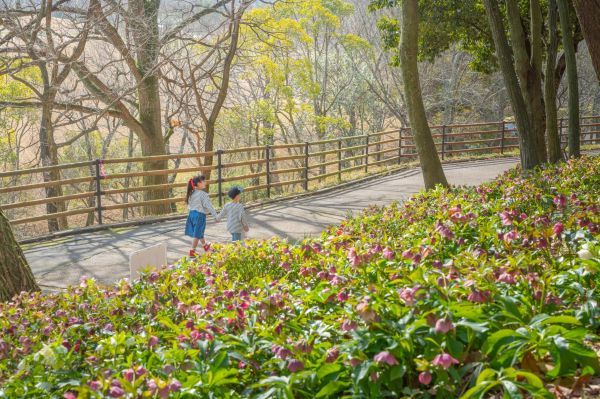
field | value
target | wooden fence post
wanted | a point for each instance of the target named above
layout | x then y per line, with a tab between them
339	156
502	137
399	146
306	166
443	140
367	154
220	177
98	178
268	159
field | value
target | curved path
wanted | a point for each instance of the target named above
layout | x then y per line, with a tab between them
104	255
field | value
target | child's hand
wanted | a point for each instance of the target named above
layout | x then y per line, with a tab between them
246	229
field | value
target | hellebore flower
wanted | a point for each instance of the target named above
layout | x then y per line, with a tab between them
128	374
442	326
506	278
444	360
152	341
425	378
332	355
385	357
478	296
116	392
558	228
584	254
95	385
388	254
295	366
348	325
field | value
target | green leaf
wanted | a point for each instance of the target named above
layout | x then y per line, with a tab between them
331	388
328	368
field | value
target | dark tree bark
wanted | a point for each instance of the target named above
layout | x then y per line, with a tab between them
552	136
527	140
15	274
588	13
573	85
431	166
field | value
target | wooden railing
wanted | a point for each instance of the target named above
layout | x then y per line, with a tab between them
108	191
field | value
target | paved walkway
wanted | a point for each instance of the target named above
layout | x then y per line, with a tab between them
105	255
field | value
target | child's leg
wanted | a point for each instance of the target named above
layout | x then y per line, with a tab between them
195	243
236	237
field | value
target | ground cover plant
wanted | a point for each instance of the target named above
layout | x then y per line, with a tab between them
462	292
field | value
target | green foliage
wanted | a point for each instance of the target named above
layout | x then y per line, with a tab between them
462	292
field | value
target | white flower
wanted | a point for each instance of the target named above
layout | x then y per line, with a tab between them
585	254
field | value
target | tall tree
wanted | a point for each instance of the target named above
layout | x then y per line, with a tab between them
573	85
431	166
588	13
15	273
530	157
552	135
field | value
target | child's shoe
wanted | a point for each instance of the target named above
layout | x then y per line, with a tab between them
207	247
192	253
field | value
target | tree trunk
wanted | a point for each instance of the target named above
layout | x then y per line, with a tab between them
49	157
588	13
431	166
528	69
15	274
552	136
567	35
527	142
145	36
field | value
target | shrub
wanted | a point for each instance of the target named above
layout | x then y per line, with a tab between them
461	292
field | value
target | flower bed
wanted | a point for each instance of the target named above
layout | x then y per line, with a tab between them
456	293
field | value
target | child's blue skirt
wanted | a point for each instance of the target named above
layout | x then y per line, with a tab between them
195	224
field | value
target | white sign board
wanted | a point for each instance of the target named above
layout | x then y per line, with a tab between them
152	257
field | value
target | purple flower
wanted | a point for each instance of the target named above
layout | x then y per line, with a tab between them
388	254
95	385
408	295
342	296
444	360
285	266
385	357
70	395
152	341
506	278
478	296
558	228
560	201
116	392
425	378
442	326
174	386
348	325
295	366
128	374
332	355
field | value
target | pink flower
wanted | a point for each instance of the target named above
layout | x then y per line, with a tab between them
355	362
505	217
442	326
560	201
388	254
444	360
285	266
385	357
95	385
70	395
348	325
365	312
295	366
174	386
408	295
506	278
407	254
511	236
152	341
342	296
558	228
478	296
425	378
128	374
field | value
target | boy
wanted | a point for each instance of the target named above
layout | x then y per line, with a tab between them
236	215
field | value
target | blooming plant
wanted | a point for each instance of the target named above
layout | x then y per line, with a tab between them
461	292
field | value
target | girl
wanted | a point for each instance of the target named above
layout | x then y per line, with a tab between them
198	204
